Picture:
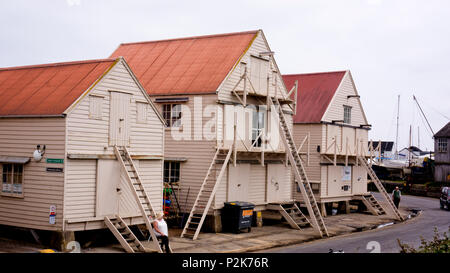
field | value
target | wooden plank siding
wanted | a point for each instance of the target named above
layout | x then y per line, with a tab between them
257	184
324	135
198	153
335	110
80	188
90	136
259	45
313	170
19	137
86	135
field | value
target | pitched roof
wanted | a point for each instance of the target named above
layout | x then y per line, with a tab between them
48	89
444	132
192	65
314	94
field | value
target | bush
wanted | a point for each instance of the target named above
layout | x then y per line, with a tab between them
437	245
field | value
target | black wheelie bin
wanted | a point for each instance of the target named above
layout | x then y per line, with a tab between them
236	216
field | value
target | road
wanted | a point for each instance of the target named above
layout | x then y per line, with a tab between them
384	239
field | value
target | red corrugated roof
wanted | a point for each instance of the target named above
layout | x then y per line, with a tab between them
185	65
47	89
315	91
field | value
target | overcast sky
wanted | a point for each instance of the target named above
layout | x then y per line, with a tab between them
392	47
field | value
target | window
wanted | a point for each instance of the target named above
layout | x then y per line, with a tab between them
315	187
141	112
257	128
347	114
95	107
12	179
172	114
171	171
442	145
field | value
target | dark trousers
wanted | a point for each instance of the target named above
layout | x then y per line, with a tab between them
165	243
396	202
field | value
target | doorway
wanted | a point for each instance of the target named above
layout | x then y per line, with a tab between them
119	119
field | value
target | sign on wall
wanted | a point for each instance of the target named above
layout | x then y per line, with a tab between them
55	170
55	160
346	173
52	215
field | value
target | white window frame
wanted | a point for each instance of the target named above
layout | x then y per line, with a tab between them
170	120
11	193
347	118
258	127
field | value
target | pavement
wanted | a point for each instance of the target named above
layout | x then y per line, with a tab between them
384	240
273	234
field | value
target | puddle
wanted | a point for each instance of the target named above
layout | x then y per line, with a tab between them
414	212
385	225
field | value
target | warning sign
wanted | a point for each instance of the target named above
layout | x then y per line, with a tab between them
248	212
52	215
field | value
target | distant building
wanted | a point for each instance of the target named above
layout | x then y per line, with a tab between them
442	154
386	148
404	154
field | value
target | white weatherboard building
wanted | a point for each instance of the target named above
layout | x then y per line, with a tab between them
72	115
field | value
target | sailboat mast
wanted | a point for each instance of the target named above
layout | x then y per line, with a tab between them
396	136
418	137
410	150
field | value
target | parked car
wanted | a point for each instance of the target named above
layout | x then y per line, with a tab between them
445	198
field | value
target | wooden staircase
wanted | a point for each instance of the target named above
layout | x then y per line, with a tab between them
299	172
371	204
292	214
206	195
138	190
381	188
124	235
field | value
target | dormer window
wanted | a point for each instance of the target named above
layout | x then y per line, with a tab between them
347	114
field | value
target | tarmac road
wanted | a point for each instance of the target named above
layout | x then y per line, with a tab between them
384	239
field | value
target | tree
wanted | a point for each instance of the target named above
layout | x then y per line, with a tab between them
439	244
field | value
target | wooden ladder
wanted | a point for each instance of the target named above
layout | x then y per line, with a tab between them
138	190
300	175
124	235
371	203
381	188
204	198
292	214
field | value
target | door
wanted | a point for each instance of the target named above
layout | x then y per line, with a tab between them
108	185
276	183
359	180
119	119
238	180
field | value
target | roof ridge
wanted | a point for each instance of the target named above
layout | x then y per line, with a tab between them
58	64
316	73
194	37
